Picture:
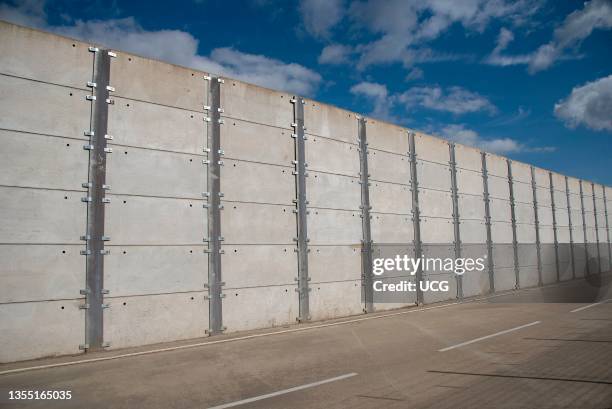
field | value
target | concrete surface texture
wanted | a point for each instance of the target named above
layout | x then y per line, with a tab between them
159	284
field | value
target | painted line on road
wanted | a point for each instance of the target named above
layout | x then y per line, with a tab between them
488	336
591	305
284	391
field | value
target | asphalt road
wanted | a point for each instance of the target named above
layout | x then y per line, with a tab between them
510	351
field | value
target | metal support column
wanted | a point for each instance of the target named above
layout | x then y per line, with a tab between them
303	279
537	224
215	283
584	231
554	221
456	221
571	233
607	230
416	215
485	184
596	229
366	242
513	220
96	188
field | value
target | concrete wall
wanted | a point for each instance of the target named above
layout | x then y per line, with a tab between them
157	210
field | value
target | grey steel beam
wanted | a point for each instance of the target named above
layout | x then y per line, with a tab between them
607	229
537	224
215	283
586	250
416	214
303	279
596	228
366	241
96	185
554	221
571	233
487	201
456	221
513	220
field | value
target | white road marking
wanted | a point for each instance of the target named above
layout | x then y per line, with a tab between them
591	305
283	392
488	336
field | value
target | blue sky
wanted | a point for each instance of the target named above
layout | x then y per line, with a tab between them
531	80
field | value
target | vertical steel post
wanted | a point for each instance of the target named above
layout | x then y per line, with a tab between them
596	228
416	214
584	231
513	219
366	242
607	230
96	185
554	221
456	221
571	233
537	224
486	199
303	279
214	211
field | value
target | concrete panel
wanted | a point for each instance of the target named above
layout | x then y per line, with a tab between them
436	230
525	233
41	216
387	137
334	263
577	234
388	167
475	283
430	297
392	228
576	219
40	329
37	107
558	182
505	279
547	235
573	185
42	161
497	166
598	189
251	223
470	182
256	182
580	260
41	272
521	172
155	173
141	270
146	221
561	217
433	176
524	213
574	201
257	143
542	178
563	234
545	216
390	198
501	232
142	124
468	158
259	265
149	319
498	187
500	210
260	307
503	257
432	149
257	104
522	192
334	227
543	196
333	300
591	238
331	122
333	191
331	156
560	200
528	276
473	231
434	203
159	82
471	207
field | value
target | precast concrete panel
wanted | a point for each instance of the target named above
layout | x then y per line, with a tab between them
148	80
141	270
387	137
142	124
434	230
545	216
497	166
471	207
60	324
543	196
31	160
576	221
159	318
521	172
258	265
591	238
133	220
528	276
469	181
577	232
473	231
503	257
326	190
40	272
542	179
390	198
392	228
256	104
525	233
334	263
432	149
468	158
433	176
498	187
334	227
560	204
547	235
258	143
328	155
329	121
500	210
505	279
430	297
37	107
257	182
501	232
146	172
524	213
575	204
253	223
388	167
522	192
335	299
259	307
476	281
580	261
435	203
563	235
37	216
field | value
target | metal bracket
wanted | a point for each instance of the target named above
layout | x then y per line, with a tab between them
456	222
416	214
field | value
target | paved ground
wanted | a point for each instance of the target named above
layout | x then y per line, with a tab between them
563	359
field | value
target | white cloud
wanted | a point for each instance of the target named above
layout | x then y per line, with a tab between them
320	16
589	105
456	100
414	74
379	95
335	54
175	46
